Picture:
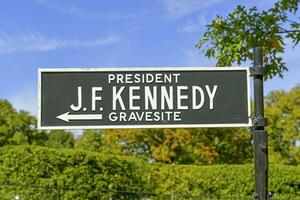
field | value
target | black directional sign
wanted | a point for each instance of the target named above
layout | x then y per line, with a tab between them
143	98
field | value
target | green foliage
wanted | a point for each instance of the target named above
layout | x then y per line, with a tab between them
60	139
82	174
18	127
91	140
224	180
231	39
283	112
184	146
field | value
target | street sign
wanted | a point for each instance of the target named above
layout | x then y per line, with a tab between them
87	98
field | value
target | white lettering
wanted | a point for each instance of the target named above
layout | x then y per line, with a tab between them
113	117
167	97
133	97
158	78
176	77
111	77
94	97
211	95
181	97
128	78
194	90
120	78
150	98
78	107
145	116
116	96
149	78
122	116
177	116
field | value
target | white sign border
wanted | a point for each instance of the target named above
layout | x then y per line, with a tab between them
112	69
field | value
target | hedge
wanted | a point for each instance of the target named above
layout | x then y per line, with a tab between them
79	174
225	181
43	173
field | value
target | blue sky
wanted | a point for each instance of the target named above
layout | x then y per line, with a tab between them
115	33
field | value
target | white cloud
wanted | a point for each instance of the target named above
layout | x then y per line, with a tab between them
194	26
37	42
103	41
193	57
184	7
73	10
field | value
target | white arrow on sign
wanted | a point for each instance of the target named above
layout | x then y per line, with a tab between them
67	117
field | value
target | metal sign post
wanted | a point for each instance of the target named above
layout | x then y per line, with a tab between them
259	122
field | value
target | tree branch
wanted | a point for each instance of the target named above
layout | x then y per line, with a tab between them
288	31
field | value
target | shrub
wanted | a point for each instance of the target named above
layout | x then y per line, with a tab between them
43	173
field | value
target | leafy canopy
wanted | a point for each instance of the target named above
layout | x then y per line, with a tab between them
183	146
18	127
283	113
230	40
91	140
60	139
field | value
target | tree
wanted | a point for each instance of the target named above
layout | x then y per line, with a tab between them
183	146
18	127
60	139
7	122
91	140
231	39
283	113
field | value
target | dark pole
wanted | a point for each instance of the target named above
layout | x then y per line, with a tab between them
259	122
